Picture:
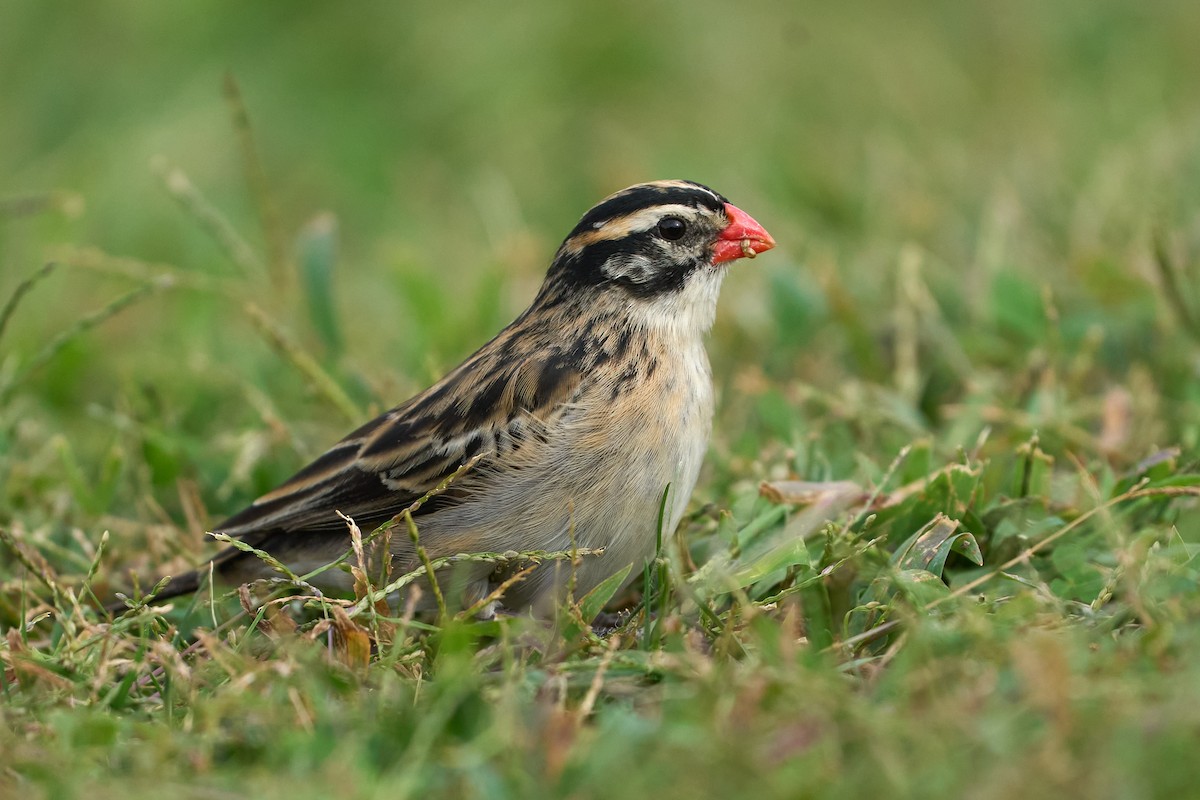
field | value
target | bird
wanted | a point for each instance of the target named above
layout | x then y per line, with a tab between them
582	420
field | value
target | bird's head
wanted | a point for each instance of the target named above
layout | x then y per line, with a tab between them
662	247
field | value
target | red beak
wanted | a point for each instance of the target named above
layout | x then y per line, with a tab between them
742	237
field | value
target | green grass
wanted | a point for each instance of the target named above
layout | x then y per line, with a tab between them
983	319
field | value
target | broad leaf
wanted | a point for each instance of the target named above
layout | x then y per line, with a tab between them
594	601
928	548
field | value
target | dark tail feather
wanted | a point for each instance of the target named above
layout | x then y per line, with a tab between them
188	582
224	566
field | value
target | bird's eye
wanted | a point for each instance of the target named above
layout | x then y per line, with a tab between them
672	228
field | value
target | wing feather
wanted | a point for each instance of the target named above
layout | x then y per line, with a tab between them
388	463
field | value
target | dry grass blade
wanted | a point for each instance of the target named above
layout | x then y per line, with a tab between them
89	321
256	178
384	530
181	188
321	381
262	555
496	594
903	493
907	313
33	562
497	559
29	205
830	493
93	259
849	644
593	692
22	289
415	537
1173	289
352	642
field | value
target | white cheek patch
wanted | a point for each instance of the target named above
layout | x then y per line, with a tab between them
629	266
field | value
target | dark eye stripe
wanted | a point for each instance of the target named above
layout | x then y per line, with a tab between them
647	195
627	226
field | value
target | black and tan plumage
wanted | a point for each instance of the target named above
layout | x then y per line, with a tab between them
582	411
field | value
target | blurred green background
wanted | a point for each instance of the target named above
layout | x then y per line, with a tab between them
967	198
988	260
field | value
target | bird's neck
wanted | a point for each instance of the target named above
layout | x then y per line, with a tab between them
684	315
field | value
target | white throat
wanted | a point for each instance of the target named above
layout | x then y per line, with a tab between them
687	313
